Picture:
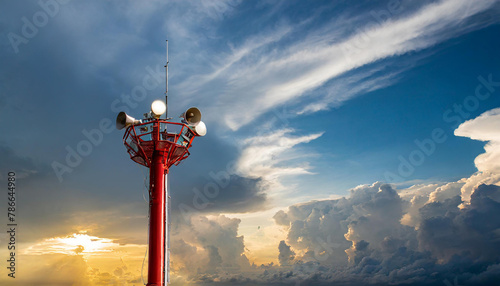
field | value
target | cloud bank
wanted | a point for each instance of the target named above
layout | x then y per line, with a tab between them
431	234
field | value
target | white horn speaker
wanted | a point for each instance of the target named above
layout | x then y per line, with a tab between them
200	129
123	120
192	116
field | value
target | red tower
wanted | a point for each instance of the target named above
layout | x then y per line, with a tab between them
158	144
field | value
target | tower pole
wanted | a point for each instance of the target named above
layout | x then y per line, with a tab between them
157	199
166	265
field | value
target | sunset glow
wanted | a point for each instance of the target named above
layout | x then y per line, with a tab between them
350	142
76	243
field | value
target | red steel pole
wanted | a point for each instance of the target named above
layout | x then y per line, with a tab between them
156	259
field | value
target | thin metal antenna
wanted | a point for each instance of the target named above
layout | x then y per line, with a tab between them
166	87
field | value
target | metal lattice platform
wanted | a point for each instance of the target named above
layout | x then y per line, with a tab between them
173	138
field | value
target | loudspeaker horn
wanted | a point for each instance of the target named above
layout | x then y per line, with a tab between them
200	129
192	116
124	120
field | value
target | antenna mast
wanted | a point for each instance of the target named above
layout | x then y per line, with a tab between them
166	87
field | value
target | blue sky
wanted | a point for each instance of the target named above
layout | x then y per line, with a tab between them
307	100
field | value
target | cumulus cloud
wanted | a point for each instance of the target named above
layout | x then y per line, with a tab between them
286	255
377	247
477	179
447	231
360	239
485	128
207	246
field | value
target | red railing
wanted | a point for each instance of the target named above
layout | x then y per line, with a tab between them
143	139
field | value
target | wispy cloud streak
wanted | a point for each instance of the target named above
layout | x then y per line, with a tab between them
259	76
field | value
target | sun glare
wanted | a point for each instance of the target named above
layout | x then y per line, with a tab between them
77	243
